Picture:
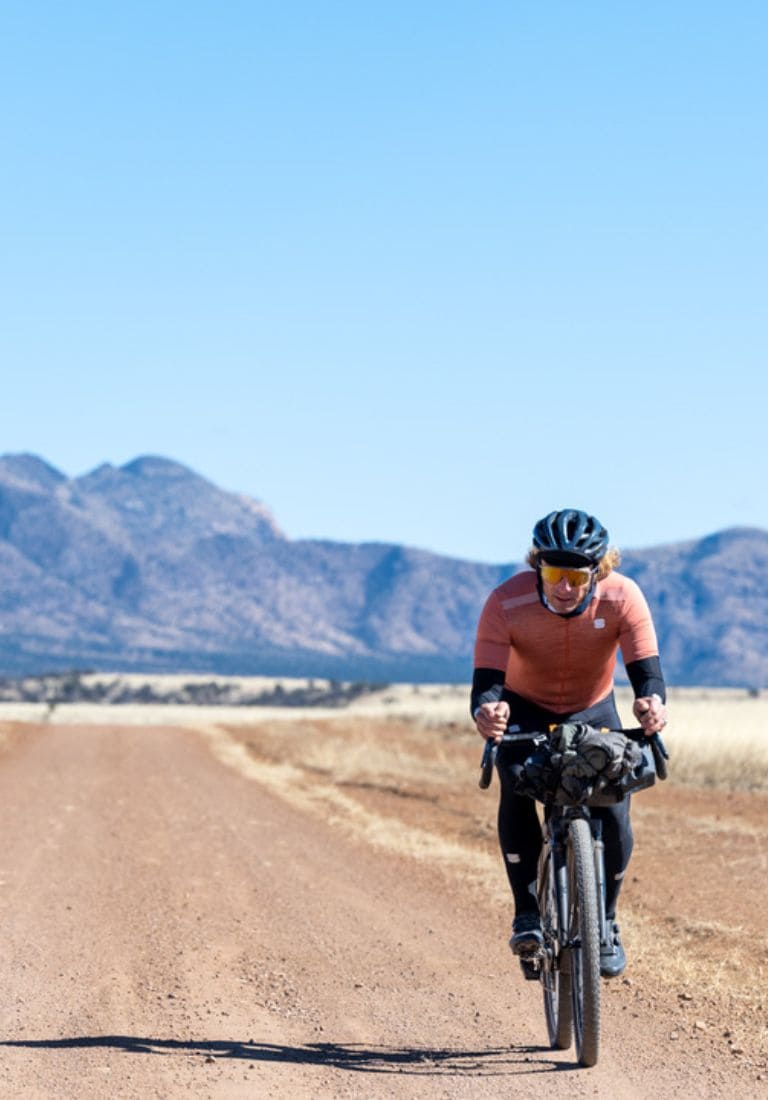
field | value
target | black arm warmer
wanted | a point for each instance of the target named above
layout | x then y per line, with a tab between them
646	678
487	686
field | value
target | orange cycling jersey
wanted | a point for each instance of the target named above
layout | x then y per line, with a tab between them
563	664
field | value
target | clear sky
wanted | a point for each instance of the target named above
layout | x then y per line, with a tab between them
414	272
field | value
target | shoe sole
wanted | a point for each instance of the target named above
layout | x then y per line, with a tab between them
613	968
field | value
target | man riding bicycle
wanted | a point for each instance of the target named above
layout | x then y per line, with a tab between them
545	653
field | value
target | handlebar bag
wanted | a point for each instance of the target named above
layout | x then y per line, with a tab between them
581	764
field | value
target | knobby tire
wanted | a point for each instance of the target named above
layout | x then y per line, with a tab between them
585	934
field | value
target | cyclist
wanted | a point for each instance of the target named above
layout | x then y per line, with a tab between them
545	653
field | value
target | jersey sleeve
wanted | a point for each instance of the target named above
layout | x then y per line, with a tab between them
493	641
637	636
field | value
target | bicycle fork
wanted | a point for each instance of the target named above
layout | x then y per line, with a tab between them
562	892
560	865
562	885
598	849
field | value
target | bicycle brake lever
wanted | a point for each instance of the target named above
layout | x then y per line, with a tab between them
662	747
660	756
486	765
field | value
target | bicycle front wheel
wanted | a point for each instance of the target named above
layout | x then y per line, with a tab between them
584	934
555	973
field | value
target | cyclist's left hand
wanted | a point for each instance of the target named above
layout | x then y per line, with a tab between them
651	713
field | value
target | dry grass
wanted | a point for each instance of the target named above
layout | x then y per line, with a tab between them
710	971
393	788
719	739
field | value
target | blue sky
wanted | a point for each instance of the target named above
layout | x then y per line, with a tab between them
413	272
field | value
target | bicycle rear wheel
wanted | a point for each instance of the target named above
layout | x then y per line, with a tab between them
584	935
555	975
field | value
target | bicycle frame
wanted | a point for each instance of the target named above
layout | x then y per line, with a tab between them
555	833
571	888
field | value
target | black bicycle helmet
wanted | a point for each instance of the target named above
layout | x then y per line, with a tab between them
570	537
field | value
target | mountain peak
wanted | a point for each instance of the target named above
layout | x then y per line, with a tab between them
155	466
152	495
29	471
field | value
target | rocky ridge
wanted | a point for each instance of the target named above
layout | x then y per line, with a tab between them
151	567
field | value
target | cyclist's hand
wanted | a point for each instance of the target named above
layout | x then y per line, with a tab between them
651	713
492	720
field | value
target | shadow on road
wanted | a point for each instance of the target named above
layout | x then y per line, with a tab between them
427	1061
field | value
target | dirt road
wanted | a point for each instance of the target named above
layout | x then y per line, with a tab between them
172	927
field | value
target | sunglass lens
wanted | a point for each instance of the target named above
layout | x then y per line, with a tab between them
553	574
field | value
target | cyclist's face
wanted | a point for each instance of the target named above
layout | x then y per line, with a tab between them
565	594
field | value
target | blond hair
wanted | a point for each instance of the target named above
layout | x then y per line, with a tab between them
610	560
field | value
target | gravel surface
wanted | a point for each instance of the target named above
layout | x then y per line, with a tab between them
174	927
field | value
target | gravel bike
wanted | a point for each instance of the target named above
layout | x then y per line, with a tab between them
570	885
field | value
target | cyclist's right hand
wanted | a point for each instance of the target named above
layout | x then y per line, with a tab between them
492	720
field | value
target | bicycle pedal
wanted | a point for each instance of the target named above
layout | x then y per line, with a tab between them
528	951
530	968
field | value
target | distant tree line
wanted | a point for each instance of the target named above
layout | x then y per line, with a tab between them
77	686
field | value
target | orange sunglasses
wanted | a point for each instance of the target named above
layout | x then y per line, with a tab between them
553	574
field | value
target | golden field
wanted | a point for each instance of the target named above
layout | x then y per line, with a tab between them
717	737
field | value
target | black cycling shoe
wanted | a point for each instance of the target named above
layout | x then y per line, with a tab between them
612	957
527	938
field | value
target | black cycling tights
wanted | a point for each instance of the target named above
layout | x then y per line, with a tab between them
519	828
520	839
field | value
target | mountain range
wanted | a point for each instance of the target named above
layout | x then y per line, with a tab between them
150	567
